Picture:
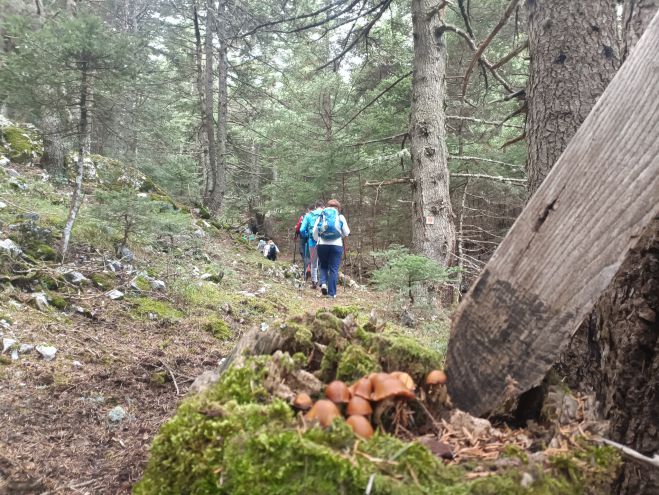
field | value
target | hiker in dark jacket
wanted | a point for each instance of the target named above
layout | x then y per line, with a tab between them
271	250
329	231
303	241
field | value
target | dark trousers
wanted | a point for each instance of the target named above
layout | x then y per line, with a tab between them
329	259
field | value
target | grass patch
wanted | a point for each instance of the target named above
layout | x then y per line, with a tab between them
147	307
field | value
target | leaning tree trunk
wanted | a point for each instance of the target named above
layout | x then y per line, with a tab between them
433	232
84	147
574	55
615	352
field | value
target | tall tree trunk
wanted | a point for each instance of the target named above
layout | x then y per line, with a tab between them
615	353
433	232
210	105
220	176
574	55
53	145
84	147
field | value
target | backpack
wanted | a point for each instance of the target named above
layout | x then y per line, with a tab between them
308	232
272	252
329	225
298	225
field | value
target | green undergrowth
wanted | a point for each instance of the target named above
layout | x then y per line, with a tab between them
21	145
147	307
236	438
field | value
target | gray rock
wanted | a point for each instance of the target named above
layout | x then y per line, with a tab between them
117	414
76	278
40	301
33	216
76	364
7	343
204	381
14	355
199	233
115	265
264	327
25	348
157	284
407	318
115	294
12	172
527	480
13	181
10	247
47	352
3	205
4	161
126	254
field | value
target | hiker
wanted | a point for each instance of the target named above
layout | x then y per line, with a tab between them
271	250
308	223
329	231
261	245
303	239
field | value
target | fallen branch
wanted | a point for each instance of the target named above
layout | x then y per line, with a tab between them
178	392
631	453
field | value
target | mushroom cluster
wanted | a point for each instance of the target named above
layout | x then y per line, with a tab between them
364	401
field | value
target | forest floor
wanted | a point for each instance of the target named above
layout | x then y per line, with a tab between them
140	353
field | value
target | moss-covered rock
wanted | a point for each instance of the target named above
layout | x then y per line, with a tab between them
57	301
217	327
20	144
344	311
104	280
149	308
42	252
355	362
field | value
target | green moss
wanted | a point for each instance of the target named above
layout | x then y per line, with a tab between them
143	307
142	284
515	452
20	145
5	360
218	328
57	301
343	311
50	283
159	378
42	251
354	363
104	280
298	336
398	352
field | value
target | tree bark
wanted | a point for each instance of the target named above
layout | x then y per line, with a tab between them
220	177
615	352
433	231
84	147
574	55
207	116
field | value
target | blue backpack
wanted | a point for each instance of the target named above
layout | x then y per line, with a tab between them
313	216
329	225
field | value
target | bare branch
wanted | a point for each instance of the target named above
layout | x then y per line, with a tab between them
497	178
481	48
511	55
514	140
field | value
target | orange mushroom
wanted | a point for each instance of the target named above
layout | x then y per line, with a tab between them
323	411
391	387
360	426
358	406
303	402
377	378
338	392
405	379
436	377
362	388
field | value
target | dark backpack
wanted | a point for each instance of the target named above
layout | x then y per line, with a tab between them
272	252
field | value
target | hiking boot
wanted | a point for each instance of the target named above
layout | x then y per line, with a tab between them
314	285
323	289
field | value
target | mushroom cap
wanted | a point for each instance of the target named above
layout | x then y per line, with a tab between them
362	388
391	387
303	401
405	379
377	378
358	406
436	377
360	426
338	392
323	411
